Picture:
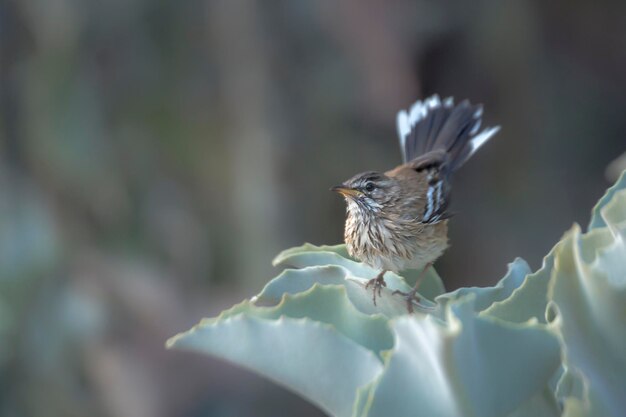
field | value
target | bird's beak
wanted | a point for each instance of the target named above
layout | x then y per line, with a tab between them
345	191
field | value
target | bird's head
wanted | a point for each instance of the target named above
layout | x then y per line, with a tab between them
370	191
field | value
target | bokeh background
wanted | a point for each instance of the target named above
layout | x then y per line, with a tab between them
155	155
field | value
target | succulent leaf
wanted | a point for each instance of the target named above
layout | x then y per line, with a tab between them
307	357
588	291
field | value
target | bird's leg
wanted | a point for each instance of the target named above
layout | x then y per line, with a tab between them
378	283
410	296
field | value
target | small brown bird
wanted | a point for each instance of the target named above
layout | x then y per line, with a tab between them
399	220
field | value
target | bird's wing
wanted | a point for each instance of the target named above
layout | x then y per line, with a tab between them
425	181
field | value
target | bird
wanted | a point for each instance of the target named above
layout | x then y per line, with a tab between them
398	219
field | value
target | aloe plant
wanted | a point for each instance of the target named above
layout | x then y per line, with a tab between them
548	343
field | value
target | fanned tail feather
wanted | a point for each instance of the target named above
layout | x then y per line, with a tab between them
439	125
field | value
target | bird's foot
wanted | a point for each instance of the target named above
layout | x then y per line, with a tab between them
377	283
410	298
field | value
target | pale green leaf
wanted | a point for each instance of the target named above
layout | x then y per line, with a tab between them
596	217
307	357
529	300
467	366
589	296
293	281
486	296
308	255
327	304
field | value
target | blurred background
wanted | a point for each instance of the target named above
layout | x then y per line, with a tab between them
155	155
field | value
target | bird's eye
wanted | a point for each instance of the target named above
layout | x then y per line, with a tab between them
369	187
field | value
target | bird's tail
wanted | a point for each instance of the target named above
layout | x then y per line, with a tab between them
439	125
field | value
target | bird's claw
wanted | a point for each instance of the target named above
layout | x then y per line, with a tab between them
378	283
410	297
